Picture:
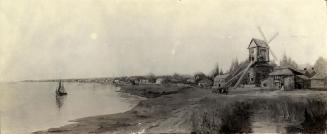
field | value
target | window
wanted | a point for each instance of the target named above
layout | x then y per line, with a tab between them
263	52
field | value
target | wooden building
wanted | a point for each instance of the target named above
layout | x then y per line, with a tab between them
258	51
220	81
288	78
319	81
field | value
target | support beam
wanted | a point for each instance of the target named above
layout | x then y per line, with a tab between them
242	76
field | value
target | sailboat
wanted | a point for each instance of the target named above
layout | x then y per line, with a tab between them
61	90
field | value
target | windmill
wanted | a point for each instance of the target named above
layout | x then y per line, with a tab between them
268	42
258	58
255	60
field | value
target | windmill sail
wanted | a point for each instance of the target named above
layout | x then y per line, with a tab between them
268	42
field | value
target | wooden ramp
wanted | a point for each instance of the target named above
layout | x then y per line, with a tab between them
240	73
243	74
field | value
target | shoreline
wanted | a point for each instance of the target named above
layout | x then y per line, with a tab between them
173	109
136	117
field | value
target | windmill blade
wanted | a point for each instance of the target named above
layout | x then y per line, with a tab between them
273	37
274	55
262	34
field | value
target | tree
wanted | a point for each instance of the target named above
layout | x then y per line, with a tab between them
288	62
235	64
199	76
221	72
321	65
215	71
151	77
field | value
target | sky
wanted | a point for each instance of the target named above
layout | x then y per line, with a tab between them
50	39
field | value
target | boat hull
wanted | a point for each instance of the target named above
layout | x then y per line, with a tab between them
61	94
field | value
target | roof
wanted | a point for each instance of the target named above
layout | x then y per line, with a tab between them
258	43
205	81
302	71
285	71
223	76
303	77
320	76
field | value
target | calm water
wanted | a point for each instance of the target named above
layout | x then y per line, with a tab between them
28	107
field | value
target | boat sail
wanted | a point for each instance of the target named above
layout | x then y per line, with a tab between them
61	89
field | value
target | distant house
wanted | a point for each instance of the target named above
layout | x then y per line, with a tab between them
205	83
287	78
160	81
319	81
144	81
190	81
220	81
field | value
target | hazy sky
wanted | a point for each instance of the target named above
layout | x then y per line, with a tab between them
42	39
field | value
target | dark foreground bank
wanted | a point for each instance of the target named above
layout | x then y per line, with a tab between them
180	109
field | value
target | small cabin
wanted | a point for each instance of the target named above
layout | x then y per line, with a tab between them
258	51
220	81
319	81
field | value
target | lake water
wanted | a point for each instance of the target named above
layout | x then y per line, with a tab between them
28	107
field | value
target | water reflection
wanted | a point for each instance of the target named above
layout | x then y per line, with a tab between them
60	101
313	123
309	117
34	106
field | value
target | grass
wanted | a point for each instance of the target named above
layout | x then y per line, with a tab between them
153	90
233	114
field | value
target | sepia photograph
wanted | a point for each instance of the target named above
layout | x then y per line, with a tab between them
163	66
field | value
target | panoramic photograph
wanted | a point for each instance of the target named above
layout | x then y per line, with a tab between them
163	66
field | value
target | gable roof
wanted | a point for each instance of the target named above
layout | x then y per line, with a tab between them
320	76
285	71
258	43
223	76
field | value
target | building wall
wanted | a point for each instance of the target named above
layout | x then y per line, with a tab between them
219	83
301	83
268	83
289	82
318	84
253	54
264	53
258	73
